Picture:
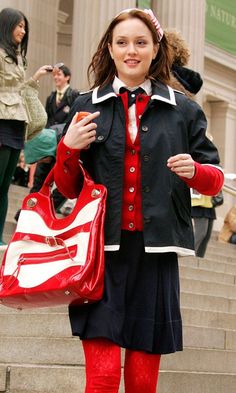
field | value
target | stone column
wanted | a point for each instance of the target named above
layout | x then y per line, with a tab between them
223	129
90	20
221	118
188	17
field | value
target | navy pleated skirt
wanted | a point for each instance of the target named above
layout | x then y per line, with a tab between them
140	309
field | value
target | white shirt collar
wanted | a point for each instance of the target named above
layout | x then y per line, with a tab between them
146	86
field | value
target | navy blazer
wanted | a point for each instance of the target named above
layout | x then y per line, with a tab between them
171	124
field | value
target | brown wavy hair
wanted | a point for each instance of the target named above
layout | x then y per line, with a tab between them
180	54
102	68
180	51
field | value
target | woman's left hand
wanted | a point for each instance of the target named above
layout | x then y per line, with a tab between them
182	165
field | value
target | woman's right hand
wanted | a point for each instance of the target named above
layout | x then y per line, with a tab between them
41	72
81	134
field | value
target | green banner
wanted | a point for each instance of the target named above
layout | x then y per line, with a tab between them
221	24
144	4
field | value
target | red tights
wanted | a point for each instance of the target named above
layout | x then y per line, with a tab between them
103	368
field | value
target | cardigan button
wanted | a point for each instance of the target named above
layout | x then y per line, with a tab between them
68	152
145	128
131	225
132	169
131	208
131	189
100	138
65	170
132	151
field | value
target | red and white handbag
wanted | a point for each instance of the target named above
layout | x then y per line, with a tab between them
53	261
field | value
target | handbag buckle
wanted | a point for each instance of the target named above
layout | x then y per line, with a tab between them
51	241
95	193
32	202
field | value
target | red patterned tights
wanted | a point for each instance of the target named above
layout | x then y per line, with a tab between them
103	368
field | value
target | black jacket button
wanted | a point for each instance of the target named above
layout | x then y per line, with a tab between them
146	158
146	189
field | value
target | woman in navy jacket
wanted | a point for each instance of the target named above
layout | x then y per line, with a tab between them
147	147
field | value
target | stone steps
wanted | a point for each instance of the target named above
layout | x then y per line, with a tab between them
209	264
188	299
208	288
46	351
196	382
17	195
61	379
38	354
205	274
57	325
208	302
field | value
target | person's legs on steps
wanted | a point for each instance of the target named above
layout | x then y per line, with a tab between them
8	161
203	246
200	232
103	366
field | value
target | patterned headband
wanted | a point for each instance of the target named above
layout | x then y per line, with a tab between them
152	17
156	23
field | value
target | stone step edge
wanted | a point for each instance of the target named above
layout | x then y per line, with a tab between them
216	255
210	282
32	311
76	366
27	311
71	337
194	269
48	310
195	372
203	294
39	365
82	367
208	311
205	260
203	264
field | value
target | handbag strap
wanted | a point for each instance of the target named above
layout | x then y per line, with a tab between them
53	241
46	187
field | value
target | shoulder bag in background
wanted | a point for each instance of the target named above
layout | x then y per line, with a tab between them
36	112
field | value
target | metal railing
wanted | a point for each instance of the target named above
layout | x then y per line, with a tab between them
229	188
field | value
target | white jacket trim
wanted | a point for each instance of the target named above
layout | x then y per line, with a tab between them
182	252
96	100
170	100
